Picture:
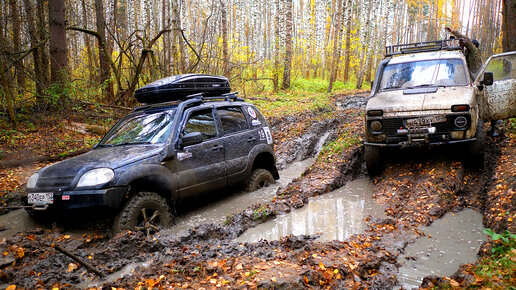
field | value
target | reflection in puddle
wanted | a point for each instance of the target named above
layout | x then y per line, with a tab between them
450	241
335	215
217	211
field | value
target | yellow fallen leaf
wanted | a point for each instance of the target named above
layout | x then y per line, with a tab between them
11	287
71	267
239	267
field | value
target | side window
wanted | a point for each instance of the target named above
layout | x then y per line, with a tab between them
503	67
203	122
232	119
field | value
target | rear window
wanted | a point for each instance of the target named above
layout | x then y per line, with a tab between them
232	119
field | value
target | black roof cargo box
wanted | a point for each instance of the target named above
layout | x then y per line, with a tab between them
177	87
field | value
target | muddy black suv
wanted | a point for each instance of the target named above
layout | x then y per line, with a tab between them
423	96
161	153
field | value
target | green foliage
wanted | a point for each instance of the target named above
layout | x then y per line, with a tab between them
260	212
511	125
500	265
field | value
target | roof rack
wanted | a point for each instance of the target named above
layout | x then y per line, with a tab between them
446	44
194	98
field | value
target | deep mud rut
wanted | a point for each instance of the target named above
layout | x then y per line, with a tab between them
415	191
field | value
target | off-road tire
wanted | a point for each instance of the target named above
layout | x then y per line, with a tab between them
259	178
374	160
140	207
475	150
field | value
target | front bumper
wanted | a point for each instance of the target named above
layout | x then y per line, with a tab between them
72	199
407	144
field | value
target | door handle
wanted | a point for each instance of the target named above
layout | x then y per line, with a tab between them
251	139
217	147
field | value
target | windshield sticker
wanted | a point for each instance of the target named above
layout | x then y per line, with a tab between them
183	155
251	112
256	122
262	135
268	134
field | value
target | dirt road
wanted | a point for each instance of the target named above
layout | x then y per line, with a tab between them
415	190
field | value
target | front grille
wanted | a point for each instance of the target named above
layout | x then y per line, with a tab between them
391	125
54	182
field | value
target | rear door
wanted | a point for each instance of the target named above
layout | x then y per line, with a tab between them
201	167
238	141
498	101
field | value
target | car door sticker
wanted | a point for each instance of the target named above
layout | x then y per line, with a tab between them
183	155
268	134
262	135
251	112
256	122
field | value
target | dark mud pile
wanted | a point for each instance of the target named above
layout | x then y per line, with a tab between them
415	191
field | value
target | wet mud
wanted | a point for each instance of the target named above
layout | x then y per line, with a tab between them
414	192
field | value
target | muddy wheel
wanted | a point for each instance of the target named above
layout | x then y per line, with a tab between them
476	149
374	160
259	178
144	211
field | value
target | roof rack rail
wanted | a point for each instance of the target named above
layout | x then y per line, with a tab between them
446	44
194	98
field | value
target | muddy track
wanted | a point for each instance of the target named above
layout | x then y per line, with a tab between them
415	190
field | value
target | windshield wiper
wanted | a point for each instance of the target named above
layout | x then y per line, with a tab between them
105	145
133	143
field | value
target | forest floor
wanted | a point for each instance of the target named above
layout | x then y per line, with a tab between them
415	190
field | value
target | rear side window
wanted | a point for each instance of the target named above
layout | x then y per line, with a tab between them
232	119
203	122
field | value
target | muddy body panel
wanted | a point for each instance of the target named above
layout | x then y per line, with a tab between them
499	98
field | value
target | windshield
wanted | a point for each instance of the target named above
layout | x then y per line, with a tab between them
142	129
440	73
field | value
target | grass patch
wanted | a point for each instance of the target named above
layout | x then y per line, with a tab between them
335	148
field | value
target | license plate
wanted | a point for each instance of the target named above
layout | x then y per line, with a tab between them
41	198
417	122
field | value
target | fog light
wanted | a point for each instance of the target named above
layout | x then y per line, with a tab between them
460	122
376	126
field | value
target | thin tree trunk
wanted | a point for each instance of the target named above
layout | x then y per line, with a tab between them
288	46
19	75
276	70
336	47
225	55
42	32
348	41
103	53
87	40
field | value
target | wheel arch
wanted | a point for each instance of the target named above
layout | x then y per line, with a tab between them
266	160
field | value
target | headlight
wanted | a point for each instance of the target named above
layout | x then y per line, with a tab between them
376	126
96	177
31	183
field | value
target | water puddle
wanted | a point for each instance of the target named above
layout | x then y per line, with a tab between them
16	221
127	270
217	211
450	241
335	216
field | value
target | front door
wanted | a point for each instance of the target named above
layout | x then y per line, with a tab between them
201	167
498	101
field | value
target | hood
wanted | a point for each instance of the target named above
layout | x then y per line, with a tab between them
111	157
416	99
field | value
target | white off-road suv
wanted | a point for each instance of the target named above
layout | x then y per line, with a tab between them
423	95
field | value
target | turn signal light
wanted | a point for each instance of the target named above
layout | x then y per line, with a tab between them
460	108
375	113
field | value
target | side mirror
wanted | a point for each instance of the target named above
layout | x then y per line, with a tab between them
488	79
190	139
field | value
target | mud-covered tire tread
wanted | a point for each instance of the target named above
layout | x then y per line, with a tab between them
128	216
374	161
476	149
257	176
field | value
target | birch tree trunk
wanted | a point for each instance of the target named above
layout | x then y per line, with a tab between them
288	45
336	47
225	55
104	56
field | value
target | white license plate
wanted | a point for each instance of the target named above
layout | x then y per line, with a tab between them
416	122
41	198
